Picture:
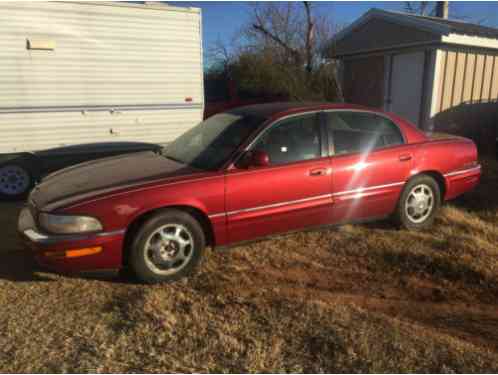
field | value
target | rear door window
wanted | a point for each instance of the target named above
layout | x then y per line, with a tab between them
360	132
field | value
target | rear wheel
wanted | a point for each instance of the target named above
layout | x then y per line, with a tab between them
15	181
167	247
418	203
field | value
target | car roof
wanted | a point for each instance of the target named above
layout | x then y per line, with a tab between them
270	112
279	109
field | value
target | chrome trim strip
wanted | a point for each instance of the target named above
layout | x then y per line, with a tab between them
361	190
100	108
37	237
217	215
111	233
280	204
455	173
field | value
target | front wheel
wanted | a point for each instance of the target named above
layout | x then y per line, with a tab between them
418	203
167	247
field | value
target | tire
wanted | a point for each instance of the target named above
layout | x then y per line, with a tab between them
167	247
418	203
16	180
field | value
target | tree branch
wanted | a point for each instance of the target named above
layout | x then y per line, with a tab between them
277	40
309	36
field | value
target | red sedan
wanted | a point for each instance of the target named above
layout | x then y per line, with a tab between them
239	175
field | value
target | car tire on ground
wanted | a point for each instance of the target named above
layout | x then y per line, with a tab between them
16	180
418	204
167	247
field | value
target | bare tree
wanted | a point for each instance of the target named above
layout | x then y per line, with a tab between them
279	53
430	8
221	56
422	8
291	29
310	28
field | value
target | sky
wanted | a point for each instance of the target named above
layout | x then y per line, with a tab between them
222	20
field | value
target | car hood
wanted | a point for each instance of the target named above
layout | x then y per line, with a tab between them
94	177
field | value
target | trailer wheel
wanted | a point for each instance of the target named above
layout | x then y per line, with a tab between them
16	181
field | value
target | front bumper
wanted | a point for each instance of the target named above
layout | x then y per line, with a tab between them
43	246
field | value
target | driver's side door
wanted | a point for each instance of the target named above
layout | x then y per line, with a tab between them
293	192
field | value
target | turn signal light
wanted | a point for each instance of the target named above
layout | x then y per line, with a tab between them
74	253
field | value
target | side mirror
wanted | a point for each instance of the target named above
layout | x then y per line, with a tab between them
259	159
255	158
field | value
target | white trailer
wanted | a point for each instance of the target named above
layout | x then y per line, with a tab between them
84	72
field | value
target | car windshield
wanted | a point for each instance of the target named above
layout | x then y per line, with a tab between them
209	144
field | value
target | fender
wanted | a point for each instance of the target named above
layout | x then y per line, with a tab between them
120	210
432	157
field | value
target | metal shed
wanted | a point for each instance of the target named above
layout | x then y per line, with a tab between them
426	69
80	72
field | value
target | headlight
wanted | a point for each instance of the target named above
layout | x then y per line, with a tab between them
64	224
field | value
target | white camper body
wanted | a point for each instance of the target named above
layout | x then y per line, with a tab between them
76	72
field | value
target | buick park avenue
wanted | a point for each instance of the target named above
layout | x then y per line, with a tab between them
240	175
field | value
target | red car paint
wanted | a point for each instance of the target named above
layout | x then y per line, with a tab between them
244	204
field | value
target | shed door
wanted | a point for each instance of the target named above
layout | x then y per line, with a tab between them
406	85
364	80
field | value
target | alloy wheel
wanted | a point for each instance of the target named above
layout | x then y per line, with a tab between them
168	249
419	203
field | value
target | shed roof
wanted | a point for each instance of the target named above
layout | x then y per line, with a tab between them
458	26
439	29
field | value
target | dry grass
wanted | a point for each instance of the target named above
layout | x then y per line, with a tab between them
353	299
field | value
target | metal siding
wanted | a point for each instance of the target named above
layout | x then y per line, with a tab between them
468	78
45	130
458	78
486	82
440	82
494	84
448	80
436	83
478	75
104	55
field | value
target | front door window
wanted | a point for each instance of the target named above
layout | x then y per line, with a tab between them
292	140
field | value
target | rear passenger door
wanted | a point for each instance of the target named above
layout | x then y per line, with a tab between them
370	164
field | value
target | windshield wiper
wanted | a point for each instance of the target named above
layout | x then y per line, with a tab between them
173	158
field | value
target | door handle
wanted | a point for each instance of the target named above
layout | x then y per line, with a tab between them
405	157
318	172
